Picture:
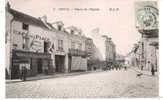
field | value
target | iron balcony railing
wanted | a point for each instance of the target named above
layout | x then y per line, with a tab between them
77	52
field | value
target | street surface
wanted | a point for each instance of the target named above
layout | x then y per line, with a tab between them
106	84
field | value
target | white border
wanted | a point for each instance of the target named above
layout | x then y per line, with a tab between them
2	51
161	48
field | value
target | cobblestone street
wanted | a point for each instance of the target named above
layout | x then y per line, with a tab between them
91	85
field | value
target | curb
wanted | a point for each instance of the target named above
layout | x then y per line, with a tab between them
64	75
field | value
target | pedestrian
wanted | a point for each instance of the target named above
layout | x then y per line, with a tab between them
116	67
141	67
23	73
94	68
46	70
152	69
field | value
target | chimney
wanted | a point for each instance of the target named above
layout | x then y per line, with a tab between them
60	25
109	38
72	31
8	6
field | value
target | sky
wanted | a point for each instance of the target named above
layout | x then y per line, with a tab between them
119	25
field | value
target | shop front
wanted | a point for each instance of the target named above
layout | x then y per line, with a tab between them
36	63
77	60
60	63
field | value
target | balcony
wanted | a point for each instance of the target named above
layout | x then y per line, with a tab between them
76	52
149	33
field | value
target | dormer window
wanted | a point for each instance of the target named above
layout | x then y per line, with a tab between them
25	26
72	32
59	27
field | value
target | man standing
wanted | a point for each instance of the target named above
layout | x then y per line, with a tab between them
23	73
152	69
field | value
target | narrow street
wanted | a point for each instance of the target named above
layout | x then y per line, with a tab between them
106	84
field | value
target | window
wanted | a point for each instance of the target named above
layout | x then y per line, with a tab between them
72	45
60	45
25	43
72	31
25	26
59	27
45	46
15	46
80	46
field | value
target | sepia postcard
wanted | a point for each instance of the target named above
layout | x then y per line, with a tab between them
82	48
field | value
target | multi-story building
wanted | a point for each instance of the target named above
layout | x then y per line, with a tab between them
61	47
28	40
147	26
104	49
110	50
41	46
120	59
133	57
89	47
93	54
77	56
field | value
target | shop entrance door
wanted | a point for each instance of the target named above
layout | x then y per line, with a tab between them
60	63
39	66
15	72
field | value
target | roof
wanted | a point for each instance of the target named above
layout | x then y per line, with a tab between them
19	16
50	25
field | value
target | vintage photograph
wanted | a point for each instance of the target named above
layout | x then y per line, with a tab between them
82	49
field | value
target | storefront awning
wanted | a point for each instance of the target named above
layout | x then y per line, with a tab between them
154	44
28	54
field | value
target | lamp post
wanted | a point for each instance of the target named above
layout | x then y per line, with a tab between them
142	54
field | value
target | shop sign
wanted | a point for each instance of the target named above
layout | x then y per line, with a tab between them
27	65
35	40
31	35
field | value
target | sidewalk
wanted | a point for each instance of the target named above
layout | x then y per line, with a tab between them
144	72
55	75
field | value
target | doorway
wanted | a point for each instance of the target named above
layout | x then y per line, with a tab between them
60	63
39	66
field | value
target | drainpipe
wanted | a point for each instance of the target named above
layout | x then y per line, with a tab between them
11	42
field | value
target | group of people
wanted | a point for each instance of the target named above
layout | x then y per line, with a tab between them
152	68
116	67
24	70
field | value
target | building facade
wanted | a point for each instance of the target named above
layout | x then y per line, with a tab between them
28	43
77	56
120	59
94	55
133	58
110	51
147	26
41	47
61	51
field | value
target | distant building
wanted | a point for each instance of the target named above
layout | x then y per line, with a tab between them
110	51
94	55
105	49
120	59
133	57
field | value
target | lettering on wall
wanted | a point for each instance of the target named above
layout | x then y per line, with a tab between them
35	45
36	41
